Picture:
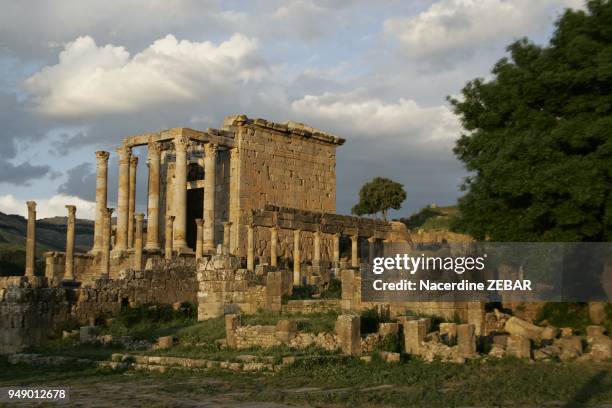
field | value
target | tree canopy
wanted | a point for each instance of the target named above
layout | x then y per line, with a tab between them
379	195
538	140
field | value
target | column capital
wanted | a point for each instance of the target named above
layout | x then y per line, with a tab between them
139	216
31	205
199	222
71	210
124	152
234	153
211	149
109	212
102	156
228	223
133	160
170	218
154	149
373	239
181	143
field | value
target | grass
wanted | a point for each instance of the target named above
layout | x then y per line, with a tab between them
349	382
574	315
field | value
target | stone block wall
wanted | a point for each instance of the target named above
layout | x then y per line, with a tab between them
472	312
28	313
30	309
224	287
87	266
312	306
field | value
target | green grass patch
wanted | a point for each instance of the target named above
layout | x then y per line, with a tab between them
574	315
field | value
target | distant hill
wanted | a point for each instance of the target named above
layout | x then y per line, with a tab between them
50	236
431	218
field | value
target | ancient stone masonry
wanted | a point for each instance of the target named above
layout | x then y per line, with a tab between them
30	308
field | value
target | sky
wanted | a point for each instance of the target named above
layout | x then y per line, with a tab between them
78	76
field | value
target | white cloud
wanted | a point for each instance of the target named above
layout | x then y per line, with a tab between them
54	206
93	80
401	124
457	26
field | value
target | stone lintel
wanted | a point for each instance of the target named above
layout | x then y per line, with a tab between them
222	138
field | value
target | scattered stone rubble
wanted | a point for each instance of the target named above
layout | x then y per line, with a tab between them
508	336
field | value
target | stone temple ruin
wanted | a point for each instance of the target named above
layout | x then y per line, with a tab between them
236	218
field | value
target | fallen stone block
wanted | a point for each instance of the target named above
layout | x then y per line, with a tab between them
546	353
592	331
389	357
518	346
601	348
571	347
165	342
520	327
549	333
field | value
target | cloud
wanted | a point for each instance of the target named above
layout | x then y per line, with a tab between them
92	80
54	206
453	29
21	174
81	182
404	121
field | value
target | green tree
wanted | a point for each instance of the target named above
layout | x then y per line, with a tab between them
538	144
379	195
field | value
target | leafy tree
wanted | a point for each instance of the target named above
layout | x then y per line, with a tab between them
539	137
379	195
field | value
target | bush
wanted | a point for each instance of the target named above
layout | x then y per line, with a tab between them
370	319
333	291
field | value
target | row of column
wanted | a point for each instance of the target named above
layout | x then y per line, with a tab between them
297	251
126	198
31	241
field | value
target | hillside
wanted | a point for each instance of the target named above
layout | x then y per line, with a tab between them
50	236
431	218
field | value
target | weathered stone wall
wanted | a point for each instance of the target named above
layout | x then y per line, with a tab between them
288	165
351	302
312	306
224	287
30	309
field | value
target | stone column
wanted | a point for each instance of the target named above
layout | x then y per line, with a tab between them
336	250
169	236
210	160
199	235
227	227
132	201
69	265
317	248
154	162
250	248
31	239
180	195
414	334
138	241
297	267
106	243
101	197
355	251
348	330
123	198
371	248
466	340
273	246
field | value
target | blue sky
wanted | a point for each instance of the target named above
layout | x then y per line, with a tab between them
76	77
